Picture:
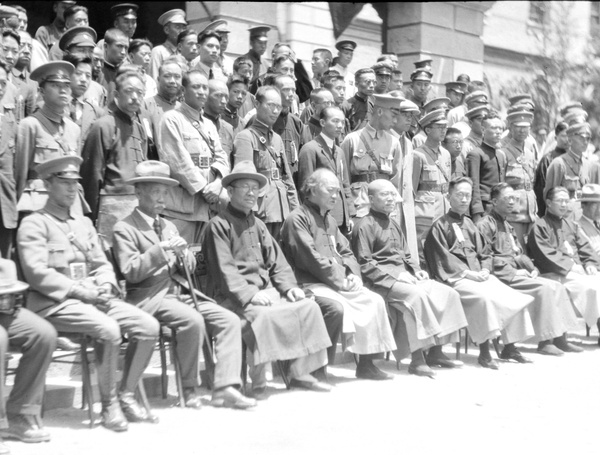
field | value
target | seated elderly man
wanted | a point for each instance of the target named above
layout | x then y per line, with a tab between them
561	251
432	312
551	312
325	266
74	287
590	220
458	255
249	275
149	252
36	339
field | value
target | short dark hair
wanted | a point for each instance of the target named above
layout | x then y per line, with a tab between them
121	78
241	60
262	91
560	127
554	191
77	59
237	79
185	80
331	81
450	131
281	59
202	37
20	9
361	72
135	44
497	189
328	111
185	33
10	32
113	34
316	92
491	115
72	10
457	181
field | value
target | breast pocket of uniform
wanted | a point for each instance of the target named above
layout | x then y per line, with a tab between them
571	183
45	151
361	161
429	173
386	163
263	160
57	258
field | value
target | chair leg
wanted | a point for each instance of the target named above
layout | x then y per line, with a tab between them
86	382
163	364
244	372
177	365
466	340
587	330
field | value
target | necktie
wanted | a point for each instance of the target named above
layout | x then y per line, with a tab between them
157	228
211	74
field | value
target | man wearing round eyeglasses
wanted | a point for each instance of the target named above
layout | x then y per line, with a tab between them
431	174
116	143
551	312
573	169
264	147
453	142
561	251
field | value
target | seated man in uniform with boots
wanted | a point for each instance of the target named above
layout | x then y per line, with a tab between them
249	275
432	312
74	287
147	249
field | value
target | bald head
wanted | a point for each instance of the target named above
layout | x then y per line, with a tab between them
383	196
218	96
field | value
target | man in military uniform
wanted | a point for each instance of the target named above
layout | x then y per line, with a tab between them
431	174
486	165
261	145
125	17
590	218
342	62
78	40
238	91
116	143
421	83
453	143
373	152
475	118
190	145
20	417
75	16
258	46
173	22
455	91
457	117
50	34
520	172
359	107
218	95
46	134
147	249
16	54
74	287
432	105
561	147
383	76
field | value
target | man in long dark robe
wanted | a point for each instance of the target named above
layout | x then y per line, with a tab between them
457	255
551	312
432	312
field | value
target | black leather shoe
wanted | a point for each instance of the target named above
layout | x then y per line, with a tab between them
421	370
258	393
487	363
513	354
230	397
191	398
24	428
316	386
113	418
370	371
441	361
133	411
562	344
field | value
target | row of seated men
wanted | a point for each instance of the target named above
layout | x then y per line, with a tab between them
290	302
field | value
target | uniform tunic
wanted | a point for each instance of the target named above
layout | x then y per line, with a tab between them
27	93
260	144
540	177
153	110
358	110
190	145
294	135
50	34
232	117
40	137
244	259
431	174
159	54
486	166
432	312
455	246
556	245
259	65
371	154
8	189
317	154
322	259
551	312
471	142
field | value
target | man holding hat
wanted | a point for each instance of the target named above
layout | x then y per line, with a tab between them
383	76
249	275
520	160
486	165
258	46
151	254
50	34
190	145
373	152
590	219
341	63
431	173
359	107
46	134
173	23
20	416
74	287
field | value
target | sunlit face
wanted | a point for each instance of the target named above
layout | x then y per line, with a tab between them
338	90
130	96
243	194
579	142
286	68
453	143
269	109
382	83
323	100
209	51
56	94
319	63
505	203
492	131
116	52
23	21
460	198
421	89
188	47
326	193
404	121
141	57
217	99
79	19
9	51
384	198
333	125
366	84
237	94
287	88
520	132
127	25
436	132
196	92
245	70
559	204
151	197
62	192
81	79
169	80
345	57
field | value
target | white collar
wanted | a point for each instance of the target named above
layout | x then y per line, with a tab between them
328	140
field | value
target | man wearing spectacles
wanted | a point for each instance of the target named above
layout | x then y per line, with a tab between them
551	312
453	142
573	169
561	251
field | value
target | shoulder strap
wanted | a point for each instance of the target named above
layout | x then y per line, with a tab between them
364	138
48	127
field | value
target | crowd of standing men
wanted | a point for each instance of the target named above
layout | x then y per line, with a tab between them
254	206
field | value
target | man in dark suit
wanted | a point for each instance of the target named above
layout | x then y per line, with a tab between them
148	249
323	152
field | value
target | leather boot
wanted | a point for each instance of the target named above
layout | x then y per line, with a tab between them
137	357
107	355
